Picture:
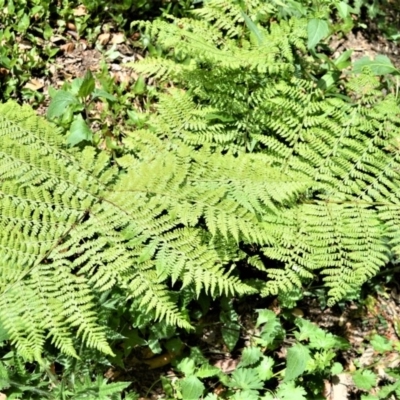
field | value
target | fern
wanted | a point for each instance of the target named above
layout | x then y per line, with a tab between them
72	229
249	88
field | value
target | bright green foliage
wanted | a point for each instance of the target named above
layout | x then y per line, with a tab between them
73	227
251	90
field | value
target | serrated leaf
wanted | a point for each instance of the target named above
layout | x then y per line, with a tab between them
250	356
79	131
58	104
265	316
192	388
243	378
207	371
296	361
288	391
317	29
381	344
364	379
381	65
87	85
186	366
264	370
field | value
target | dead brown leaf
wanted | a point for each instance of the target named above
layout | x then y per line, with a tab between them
80	11
118	38
71	26
68	47
34	84
104	38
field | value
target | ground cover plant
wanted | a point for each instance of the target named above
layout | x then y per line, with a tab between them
246	163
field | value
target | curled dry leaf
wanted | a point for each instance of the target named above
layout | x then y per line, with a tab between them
104	38
68	47
118	38
34	84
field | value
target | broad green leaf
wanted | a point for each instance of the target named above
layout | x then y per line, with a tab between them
288	391
87	85
253	28
250	356
343	61
343	9
186	366
337	368
381	344
60	102
23	23
265	316
264	370
296	362
75	86
192	388
317	30
174	345
272	328
230	333
103	94
381	65
140	86
364	379
79	131
206	371
243	378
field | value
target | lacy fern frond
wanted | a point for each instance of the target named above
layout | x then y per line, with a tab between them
74	229
253	94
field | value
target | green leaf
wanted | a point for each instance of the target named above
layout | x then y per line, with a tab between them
250	356
381	344
381	65
317	29
296	362
192	388
186	366
243	378
264	370
288	391
60	102
364	379
230	333
103	94
87	85
272	328
343	9
253	28
337	368
24	23
140	86
207	371
79	131
265	316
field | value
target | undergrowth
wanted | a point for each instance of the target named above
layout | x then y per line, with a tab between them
258	166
